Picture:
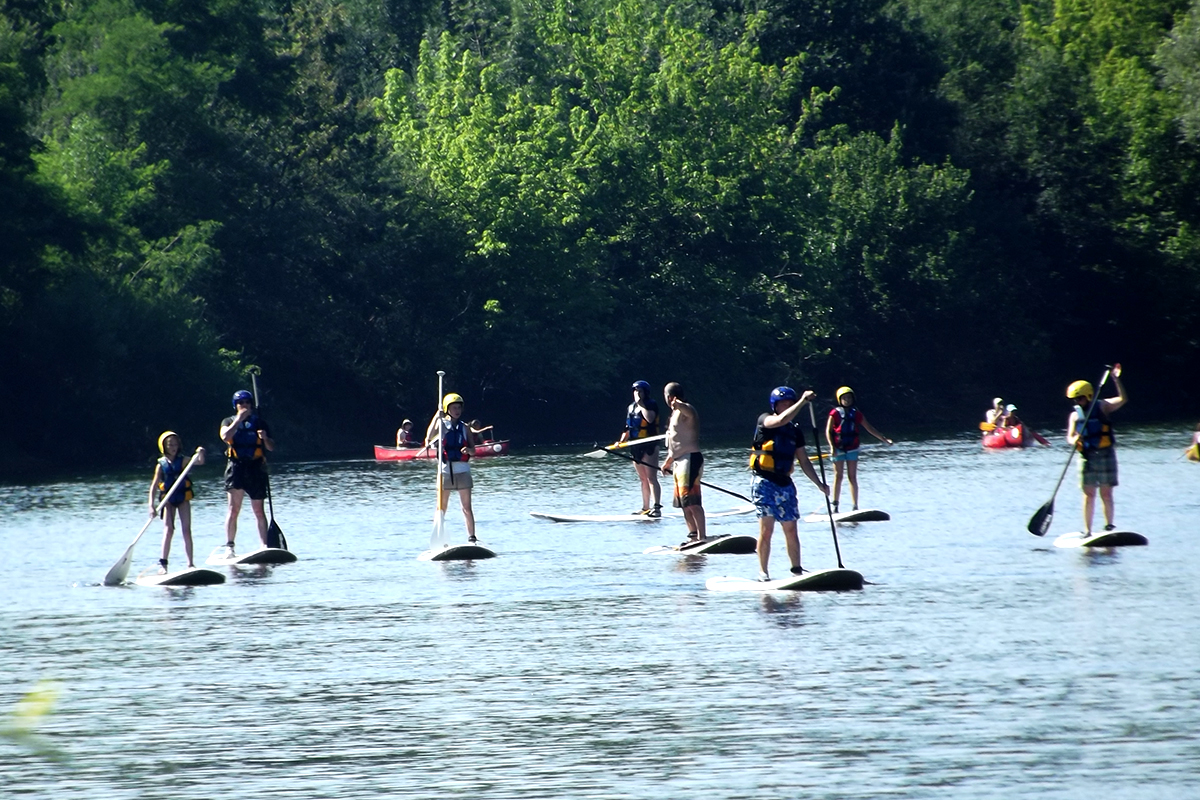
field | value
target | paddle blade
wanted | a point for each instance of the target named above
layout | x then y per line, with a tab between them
987	426
275	536
1039	523
117	573
438	538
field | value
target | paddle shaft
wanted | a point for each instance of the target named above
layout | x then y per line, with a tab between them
116	574
812	415
1036	525
273	528
623	454
623	445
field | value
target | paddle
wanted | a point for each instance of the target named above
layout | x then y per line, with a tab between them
438	537
275	537
117	573
603	451
1039	523
991	426
702	483
821	463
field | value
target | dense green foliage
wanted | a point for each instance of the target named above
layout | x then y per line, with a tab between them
933	200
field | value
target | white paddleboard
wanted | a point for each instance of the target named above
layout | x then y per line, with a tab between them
457	552
193	576
728	544
733	512
862	515
823	580
1101	539
263	555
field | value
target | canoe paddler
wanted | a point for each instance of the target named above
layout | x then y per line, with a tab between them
685	461
1095	441
458	444
778	446
641	421
405	436
997	414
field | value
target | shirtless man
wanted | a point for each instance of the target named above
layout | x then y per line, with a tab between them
684	460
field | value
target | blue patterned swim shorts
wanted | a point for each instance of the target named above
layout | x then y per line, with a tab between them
775	501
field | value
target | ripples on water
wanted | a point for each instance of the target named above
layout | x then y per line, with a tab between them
983	663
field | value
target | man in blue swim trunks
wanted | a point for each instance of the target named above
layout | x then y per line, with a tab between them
778	447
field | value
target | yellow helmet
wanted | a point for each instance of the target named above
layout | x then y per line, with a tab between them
450	400
162	441
843	391
1080	388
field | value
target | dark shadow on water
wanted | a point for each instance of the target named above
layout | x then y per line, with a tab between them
252	574
459	570
690	564
784	611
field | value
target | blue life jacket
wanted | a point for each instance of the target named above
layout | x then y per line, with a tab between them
247	442
637	425
168	472
454	439
1096	434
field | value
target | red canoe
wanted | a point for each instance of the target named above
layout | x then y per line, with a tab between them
384	453
1005	437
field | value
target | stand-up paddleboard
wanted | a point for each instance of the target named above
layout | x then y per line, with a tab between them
263	555
1101	539
823	580
728	544
192	576
733	512
862	515
458	552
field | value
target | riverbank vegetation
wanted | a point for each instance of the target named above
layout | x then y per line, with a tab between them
932	200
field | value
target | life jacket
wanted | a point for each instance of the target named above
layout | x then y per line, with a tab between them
1096	434
773	452
454	439
168	472
637	425
247	444
845	432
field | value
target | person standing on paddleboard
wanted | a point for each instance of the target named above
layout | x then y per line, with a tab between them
641	421
458	444
1093	438
166	471
778	446
248	437
841	431
685	461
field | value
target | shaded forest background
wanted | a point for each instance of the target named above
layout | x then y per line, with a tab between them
932	200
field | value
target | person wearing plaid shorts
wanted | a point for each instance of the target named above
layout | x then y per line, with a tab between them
1092	434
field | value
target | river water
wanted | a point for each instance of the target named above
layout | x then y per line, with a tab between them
981	662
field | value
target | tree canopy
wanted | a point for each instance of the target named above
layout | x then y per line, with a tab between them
934	200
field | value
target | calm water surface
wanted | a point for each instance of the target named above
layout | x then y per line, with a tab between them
982	662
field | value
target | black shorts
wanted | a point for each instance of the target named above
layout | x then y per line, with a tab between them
645	453
249	476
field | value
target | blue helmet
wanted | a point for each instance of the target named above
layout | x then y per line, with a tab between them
783	393
241	395
643	385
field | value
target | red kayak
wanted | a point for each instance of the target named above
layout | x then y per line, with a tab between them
384	453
